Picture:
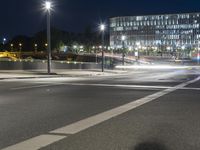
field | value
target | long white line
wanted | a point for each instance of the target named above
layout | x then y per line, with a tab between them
44	140
30	87
119	85
94	120
132	86
189	88
88	84
105	85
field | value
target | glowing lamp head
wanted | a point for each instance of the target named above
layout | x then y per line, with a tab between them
123	37
183	47
74	46
138	43
102	27
48	5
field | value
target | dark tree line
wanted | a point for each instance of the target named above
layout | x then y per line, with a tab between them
58	37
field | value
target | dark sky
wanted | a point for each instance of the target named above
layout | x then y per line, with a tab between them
26	17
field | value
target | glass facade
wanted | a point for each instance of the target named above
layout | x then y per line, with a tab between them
167	32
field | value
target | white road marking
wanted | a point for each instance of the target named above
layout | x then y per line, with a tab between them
44	140
190	88
44	79
86	84
119	85
30	87
105	85
36	142
94	120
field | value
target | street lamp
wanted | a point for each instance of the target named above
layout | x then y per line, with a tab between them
4	41
36	48
123	38
11	45
102	29
75	50
48	6
81	48
20	47
198	51
20	50
138	51
75	47
95	50
182	53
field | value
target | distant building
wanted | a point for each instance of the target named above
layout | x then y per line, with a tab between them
165	32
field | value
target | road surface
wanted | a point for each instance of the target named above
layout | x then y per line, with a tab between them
157	109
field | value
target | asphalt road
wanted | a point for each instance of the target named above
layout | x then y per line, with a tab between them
168	120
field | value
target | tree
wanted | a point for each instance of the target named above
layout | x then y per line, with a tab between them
60	46
88	39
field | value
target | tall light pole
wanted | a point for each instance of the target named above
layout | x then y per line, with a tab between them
35	46
182	53
11	45
123	47
95	50
138	50
48	9
4	41
102	29
20	47
198	56
20	50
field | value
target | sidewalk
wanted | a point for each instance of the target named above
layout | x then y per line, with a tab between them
22	74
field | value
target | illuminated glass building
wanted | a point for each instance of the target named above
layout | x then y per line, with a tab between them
167	32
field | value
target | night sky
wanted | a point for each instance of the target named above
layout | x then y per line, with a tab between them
26	17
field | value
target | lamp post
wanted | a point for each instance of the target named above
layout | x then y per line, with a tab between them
198	51
48	9
138	50
95	50
11	45
182	53
102	29
35	48
75	49
4	41
20	50
123	46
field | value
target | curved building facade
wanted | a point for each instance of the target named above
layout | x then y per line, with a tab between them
165	32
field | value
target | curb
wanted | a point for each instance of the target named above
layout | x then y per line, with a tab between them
57	76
